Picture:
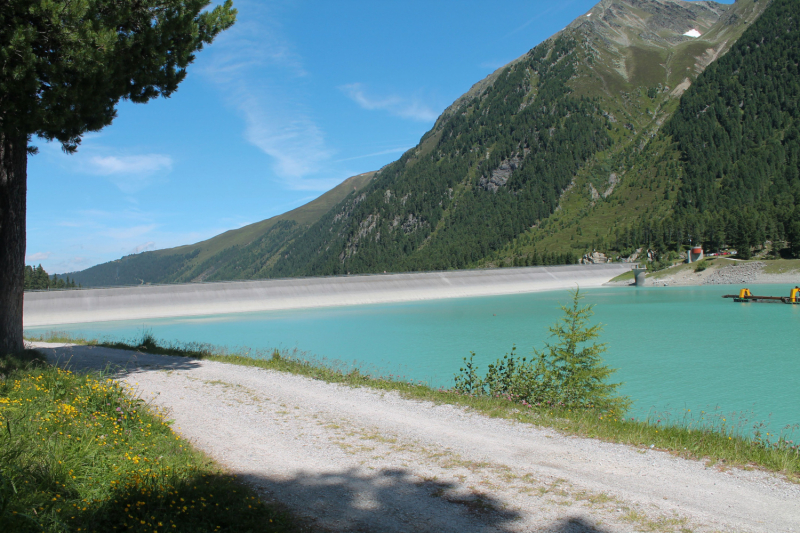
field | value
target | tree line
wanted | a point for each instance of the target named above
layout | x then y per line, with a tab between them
37	279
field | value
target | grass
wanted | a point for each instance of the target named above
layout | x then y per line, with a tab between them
79	452
706	436
626	276
782	266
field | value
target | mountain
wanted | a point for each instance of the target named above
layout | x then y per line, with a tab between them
226	256
567	117
723	169
562	151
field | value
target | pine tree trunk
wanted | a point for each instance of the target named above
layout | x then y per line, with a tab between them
13	192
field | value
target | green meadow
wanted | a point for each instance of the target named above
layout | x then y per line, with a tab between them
81	453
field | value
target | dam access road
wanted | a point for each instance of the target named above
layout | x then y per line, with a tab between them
357	459
43	308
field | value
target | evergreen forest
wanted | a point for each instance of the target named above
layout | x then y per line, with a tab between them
736	135
37	279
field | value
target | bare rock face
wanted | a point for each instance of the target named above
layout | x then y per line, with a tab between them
652	21
501	174
595	258
411	224
613	179
634	256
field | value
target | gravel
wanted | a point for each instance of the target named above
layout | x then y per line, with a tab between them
357	459
737	273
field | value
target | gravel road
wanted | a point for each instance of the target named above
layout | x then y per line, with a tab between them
356	459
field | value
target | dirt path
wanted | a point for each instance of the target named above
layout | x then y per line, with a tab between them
363	460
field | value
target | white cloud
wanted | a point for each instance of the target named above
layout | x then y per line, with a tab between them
383	152
133	164
39	256
261	75
402	107
150	245
132	232
256	41
107	235
130	173
294	141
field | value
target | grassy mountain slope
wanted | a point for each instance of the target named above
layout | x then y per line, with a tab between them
196	262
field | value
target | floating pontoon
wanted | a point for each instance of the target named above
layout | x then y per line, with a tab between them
745	296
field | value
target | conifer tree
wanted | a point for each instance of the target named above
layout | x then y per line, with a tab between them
569	373
64	66
793	234
574	365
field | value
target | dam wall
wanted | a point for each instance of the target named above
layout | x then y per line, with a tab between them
46	308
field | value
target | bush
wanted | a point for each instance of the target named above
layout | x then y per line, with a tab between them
562	374
659	264
701	265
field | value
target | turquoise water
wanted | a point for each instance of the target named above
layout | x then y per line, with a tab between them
676	348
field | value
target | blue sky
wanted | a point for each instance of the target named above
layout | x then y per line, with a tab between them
292	100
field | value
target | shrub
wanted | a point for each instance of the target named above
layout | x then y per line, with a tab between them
702	265
659	264
569	373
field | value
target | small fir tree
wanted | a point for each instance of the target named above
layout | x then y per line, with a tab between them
569	373
575	372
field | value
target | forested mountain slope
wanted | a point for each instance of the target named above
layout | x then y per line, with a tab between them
561	151
579	104
722	171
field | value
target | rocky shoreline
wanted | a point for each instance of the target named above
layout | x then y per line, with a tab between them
734	272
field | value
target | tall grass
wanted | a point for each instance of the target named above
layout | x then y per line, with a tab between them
83	453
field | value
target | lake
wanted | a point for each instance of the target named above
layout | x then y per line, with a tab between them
676	348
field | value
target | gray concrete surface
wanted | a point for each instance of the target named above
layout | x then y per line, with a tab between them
154	301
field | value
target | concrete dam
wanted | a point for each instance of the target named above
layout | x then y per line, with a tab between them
45	308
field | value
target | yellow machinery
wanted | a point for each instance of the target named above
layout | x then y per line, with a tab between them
744	293
746	296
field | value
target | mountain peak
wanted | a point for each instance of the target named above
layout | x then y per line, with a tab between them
660	22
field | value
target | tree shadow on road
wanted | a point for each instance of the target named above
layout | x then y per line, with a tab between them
574	525
116	363
390	500
396	501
